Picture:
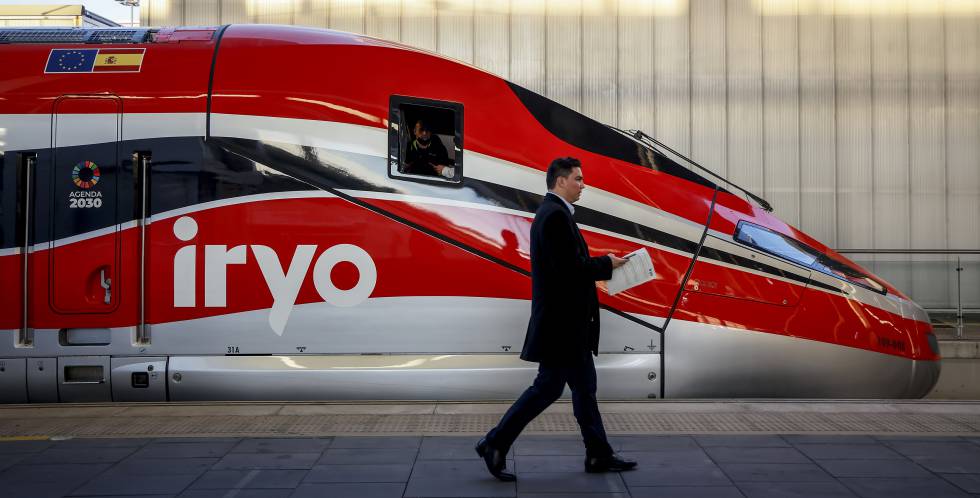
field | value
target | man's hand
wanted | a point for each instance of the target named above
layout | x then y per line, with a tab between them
438	168
616	261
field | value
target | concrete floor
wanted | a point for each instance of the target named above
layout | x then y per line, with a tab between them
748	449
716	465
318	419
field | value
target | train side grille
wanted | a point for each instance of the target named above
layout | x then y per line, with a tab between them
74	35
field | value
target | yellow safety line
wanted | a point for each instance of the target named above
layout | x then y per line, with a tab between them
24	438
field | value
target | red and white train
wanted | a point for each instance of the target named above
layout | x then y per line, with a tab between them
222	214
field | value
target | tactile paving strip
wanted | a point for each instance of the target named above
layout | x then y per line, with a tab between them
281	419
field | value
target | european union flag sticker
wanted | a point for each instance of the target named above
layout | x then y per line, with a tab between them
71	60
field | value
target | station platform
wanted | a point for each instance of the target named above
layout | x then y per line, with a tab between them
684	448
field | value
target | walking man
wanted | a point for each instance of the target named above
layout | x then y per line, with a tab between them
563	333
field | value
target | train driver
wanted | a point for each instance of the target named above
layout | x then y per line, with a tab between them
428	156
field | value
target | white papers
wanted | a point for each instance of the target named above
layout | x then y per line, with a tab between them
637	270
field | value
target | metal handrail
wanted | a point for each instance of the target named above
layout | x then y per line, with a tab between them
943	252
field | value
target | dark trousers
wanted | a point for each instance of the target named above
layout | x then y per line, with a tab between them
548	387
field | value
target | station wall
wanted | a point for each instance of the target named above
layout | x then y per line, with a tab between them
859	120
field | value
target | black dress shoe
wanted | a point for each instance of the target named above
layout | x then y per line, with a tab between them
612	463
495	459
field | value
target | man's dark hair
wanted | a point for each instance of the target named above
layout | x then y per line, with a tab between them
561	166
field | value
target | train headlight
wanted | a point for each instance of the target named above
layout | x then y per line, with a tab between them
933	343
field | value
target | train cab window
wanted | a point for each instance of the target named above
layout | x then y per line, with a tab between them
848	273
800	253
776	244
425	140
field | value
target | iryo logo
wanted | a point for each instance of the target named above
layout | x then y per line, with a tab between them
283	285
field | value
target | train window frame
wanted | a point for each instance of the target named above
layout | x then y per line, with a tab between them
398	136
818	263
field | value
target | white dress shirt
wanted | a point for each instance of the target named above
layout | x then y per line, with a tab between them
571	208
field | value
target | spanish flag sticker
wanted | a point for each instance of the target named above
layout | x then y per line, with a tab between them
119	60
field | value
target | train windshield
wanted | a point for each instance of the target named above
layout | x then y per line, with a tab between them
793	250
776	244
848	273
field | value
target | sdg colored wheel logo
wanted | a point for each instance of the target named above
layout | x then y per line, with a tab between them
85	175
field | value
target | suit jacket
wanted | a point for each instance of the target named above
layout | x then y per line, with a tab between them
564	305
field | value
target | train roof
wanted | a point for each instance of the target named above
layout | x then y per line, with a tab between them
155	35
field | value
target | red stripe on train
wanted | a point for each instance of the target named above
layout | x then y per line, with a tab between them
412	263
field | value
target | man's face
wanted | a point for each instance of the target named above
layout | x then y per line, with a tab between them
422	132
572	185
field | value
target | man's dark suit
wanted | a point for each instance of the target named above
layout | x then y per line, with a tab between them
563	332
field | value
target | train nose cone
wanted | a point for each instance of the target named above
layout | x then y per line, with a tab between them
925	374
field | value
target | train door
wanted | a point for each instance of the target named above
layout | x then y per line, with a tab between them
85	271
84	206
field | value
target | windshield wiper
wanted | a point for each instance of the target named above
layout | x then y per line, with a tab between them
654	144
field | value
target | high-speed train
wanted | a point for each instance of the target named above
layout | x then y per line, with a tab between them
225	213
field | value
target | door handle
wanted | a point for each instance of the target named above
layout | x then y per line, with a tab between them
107	285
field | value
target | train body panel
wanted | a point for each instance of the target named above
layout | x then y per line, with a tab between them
205	218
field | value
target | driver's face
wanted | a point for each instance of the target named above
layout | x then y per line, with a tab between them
421	132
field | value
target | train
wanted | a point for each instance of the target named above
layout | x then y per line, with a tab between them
225	213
